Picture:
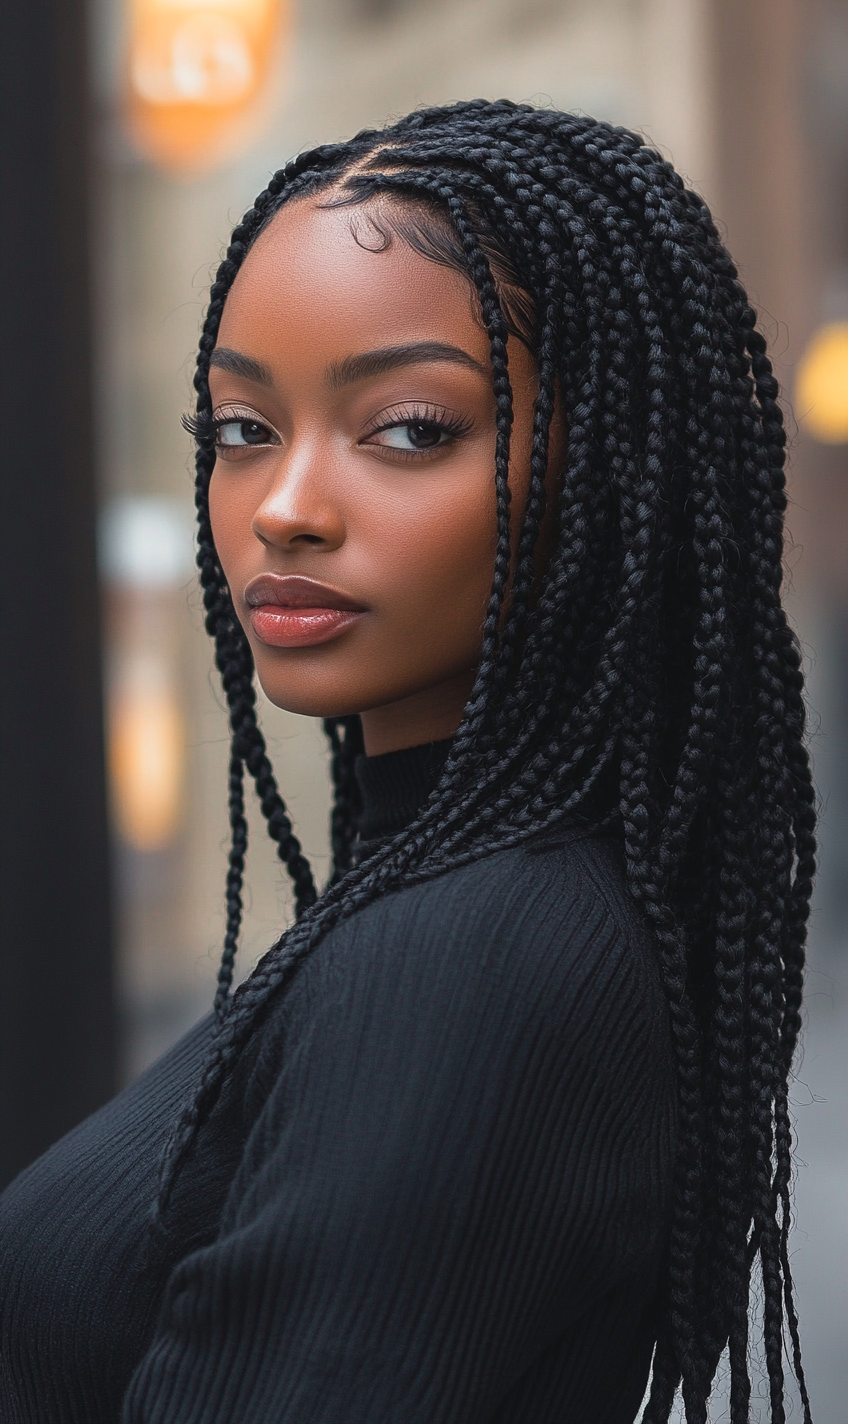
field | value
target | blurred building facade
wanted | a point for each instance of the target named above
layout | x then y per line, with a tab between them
749	98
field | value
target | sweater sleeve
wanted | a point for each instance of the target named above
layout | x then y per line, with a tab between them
462	1146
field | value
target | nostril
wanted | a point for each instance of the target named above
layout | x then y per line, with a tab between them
307	539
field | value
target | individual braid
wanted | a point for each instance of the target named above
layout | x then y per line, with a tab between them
647	682
345	737
235	878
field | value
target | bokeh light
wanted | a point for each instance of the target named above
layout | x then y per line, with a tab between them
195	71
146	756
822	385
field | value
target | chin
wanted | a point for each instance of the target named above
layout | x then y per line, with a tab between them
307	703
317	697
307	685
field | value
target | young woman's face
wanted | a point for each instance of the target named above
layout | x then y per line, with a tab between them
352	500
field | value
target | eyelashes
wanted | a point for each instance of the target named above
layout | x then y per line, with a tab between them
436	421
202	428
208	430
438	417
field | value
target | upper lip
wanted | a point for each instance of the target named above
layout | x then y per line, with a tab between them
296	591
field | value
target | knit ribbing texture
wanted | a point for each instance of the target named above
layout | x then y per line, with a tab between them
437	1190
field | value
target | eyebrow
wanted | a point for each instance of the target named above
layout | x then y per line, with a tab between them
240	365
390	358
354	368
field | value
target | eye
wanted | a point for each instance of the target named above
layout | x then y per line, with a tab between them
418	431
415	435
236	434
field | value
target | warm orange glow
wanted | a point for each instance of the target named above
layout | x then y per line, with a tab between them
821	395
195	70
146	755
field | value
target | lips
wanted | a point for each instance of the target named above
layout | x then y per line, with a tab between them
290	611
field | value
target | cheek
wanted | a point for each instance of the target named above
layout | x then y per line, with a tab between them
231	510
435	556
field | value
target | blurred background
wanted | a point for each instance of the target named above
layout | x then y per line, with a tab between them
134	134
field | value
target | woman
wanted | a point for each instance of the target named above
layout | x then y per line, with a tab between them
500	1124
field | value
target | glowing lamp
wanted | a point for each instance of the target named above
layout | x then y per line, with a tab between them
195	70
146	754
145	548
821	393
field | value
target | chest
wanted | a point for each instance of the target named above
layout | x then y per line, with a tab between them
82	1279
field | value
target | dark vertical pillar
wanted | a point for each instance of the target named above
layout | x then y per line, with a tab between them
57	1016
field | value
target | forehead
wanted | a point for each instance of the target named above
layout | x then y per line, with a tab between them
323	277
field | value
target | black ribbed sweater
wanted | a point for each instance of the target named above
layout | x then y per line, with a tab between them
435	1190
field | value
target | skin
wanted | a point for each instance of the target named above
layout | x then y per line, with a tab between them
404	533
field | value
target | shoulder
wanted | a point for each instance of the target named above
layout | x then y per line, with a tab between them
553	911
538	943
542	891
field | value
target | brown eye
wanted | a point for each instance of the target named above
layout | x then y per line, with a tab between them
236	434
414	435
422	434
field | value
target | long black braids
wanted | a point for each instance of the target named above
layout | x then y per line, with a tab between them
647	681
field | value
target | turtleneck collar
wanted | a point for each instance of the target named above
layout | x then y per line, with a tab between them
395	786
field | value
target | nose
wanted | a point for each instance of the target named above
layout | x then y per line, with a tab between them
299	508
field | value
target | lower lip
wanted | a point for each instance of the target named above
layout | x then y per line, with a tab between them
300	627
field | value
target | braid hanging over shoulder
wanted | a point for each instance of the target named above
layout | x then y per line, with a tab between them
651	684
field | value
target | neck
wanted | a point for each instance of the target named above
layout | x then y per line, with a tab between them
429	716
394	787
